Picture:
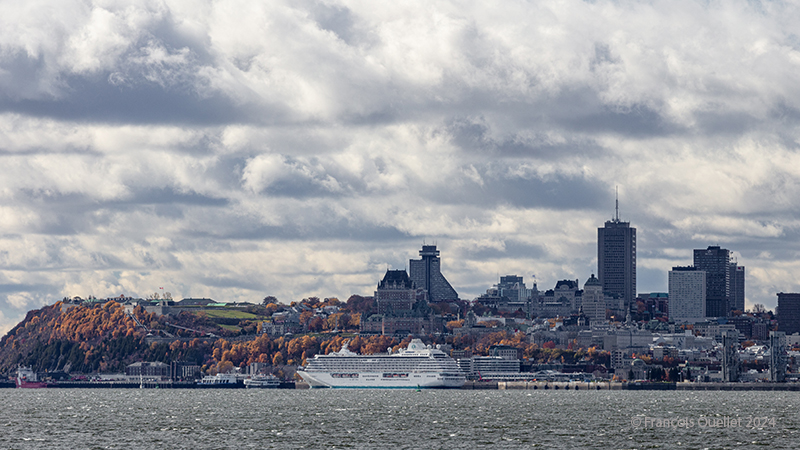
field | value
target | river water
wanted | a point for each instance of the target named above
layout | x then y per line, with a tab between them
367	419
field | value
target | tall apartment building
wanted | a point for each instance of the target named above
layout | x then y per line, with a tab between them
687	294
426	274
715	262
616	259
789	313
737	287
777	356
730	356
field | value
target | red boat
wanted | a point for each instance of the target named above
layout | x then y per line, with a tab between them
26	378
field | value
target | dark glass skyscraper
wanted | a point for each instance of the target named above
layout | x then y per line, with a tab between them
789	312
716	263
616	259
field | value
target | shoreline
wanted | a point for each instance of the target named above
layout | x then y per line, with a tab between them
625	386
469	385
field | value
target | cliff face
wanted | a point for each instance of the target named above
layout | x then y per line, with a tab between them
90	338
93	338
103	338
84	338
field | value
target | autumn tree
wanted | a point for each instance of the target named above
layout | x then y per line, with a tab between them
316	324
453	324
360	305
305	316
377	344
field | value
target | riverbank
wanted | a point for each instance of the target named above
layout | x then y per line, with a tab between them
469	385
624	386
142	385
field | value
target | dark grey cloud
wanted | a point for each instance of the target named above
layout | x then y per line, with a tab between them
69	214
337	19
20	71
728	122
333	228
301	186
139	195
6	288
512	249
91	98
580	110
170	195
562	192
233	282
476	136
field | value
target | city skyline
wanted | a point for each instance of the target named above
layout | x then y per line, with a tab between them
298	149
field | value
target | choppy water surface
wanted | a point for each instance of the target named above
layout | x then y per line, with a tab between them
195	419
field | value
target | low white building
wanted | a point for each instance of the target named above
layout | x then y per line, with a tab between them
487	366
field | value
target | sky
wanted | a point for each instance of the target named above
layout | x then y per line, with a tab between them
239	149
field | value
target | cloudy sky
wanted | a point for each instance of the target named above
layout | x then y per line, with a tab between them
238	149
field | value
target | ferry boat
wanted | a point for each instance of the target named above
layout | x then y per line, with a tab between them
220	381
416	367
27	378
262	382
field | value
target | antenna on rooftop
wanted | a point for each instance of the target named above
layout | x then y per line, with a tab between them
616	196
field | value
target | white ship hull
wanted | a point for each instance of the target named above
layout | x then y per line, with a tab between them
378	381
417	367
262	383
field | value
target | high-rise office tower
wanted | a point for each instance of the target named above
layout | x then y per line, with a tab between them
737	287
426	274
616	258
715	262
788	312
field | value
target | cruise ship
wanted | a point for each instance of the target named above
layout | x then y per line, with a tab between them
416	367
